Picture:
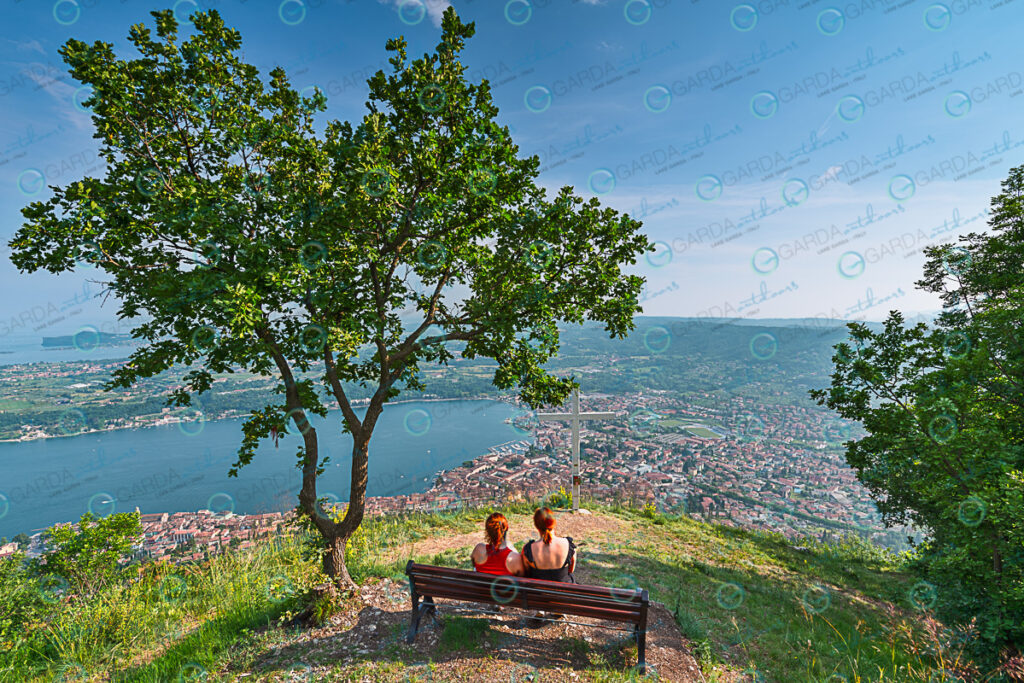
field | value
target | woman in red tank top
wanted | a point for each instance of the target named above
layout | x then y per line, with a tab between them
497	556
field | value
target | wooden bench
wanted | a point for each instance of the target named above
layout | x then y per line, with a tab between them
597	602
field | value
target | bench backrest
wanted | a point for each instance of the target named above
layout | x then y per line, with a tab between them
600	602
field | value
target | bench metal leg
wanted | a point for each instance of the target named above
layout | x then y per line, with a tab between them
641	651
414	624
418	610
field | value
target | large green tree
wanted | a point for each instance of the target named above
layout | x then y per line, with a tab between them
943	406
247	240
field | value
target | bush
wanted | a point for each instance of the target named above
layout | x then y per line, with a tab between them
560	498
22	600
88	555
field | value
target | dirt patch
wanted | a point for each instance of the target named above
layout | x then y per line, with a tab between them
512	646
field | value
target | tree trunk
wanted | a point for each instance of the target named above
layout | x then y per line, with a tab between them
334	563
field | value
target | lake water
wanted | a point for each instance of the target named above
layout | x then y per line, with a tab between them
184	466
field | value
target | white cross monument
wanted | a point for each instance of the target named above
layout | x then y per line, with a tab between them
575	418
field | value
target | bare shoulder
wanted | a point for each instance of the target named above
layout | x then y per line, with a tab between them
480	552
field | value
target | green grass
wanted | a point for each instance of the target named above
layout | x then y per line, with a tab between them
744	601
703	433
462	633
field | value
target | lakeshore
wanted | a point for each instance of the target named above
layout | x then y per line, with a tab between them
164	467
144	421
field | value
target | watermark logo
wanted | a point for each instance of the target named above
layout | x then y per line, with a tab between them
86	338
411	12
831	21
312	254
539	255
313	339
764	104
220	502
292	12
376	182
432	98
763	346
902	187
280	588
657	339
657	99
937	17
66	12
850	108
765	261
504	589
191	421
637	12
851	264
102	504
518	12
31	181
971	511
956	345
643	421
182	18
204	339
52	587
661	256
942	428
922	595
743	17
417	422
730	595
72	421
172	588
795	192
957	104
957	261
709	187
148	181
297	416
327	505
624	588
601	181
82	94
537	99
816	599
431	254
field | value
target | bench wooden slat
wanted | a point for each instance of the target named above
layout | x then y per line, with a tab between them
561	605
463	573
625	610
619	595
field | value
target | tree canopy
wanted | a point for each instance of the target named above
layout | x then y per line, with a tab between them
943	406
247	239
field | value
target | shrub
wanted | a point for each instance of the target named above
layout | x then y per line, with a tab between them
87	555
560	498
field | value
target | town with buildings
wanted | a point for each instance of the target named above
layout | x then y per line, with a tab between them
775	468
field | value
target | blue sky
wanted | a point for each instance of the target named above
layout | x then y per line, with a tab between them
790	157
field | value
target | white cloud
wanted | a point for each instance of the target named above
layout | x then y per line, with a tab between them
434	8
62	93
27	46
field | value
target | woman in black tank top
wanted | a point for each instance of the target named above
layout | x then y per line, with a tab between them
544	520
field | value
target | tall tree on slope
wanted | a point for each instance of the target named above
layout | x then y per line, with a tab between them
251	242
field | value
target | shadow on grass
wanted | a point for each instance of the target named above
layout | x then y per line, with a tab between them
203	649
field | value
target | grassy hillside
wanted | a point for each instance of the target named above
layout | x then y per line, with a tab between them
737	605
